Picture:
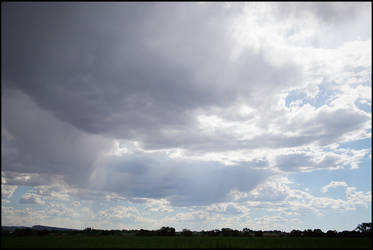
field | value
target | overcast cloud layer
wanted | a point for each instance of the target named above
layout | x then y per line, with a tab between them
205	111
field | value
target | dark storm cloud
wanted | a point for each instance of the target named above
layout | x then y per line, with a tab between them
38	143
130	70
39	149
92	66
328	12
77	75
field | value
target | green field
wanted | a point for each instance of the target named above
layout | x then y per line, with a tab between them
179	242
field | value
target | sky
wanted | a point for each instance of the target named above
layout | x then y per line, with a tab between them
130	115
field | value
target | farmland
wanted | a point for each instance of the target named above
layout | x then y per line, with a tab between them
83	241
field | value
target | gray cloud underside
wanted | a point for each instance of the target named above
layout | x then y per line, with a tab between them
338	17
40	154
126	70
181	182
39	143
293	162
77	75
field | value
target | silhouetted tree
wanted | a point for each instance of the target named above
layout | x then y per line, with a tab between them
308	233
317	233
214	232
229	232
167	231
107	232
186	232
91	231
247	232
143	232
349	234
331	233
364	227
295	233
258	233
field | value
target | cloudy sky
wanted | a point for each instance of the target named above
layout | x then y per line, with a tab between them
190	115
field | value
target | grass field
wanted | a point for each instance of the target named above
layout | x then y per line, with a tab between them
179	242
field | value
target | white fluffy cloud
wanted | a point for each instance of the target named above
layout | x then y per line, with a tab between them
333	184
31	198
6	190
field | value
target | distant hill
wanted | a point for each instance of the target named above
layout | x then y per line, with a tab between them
37	227
40	227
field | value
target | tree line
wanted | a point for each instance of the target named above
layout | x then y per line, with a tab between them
362	230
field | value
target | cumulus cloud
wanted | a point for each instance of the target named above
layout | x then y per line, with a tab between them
7	190
160	205
279	194
311	160
118	212
270	220
227	208
31	198
53	192
333	184
76	204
